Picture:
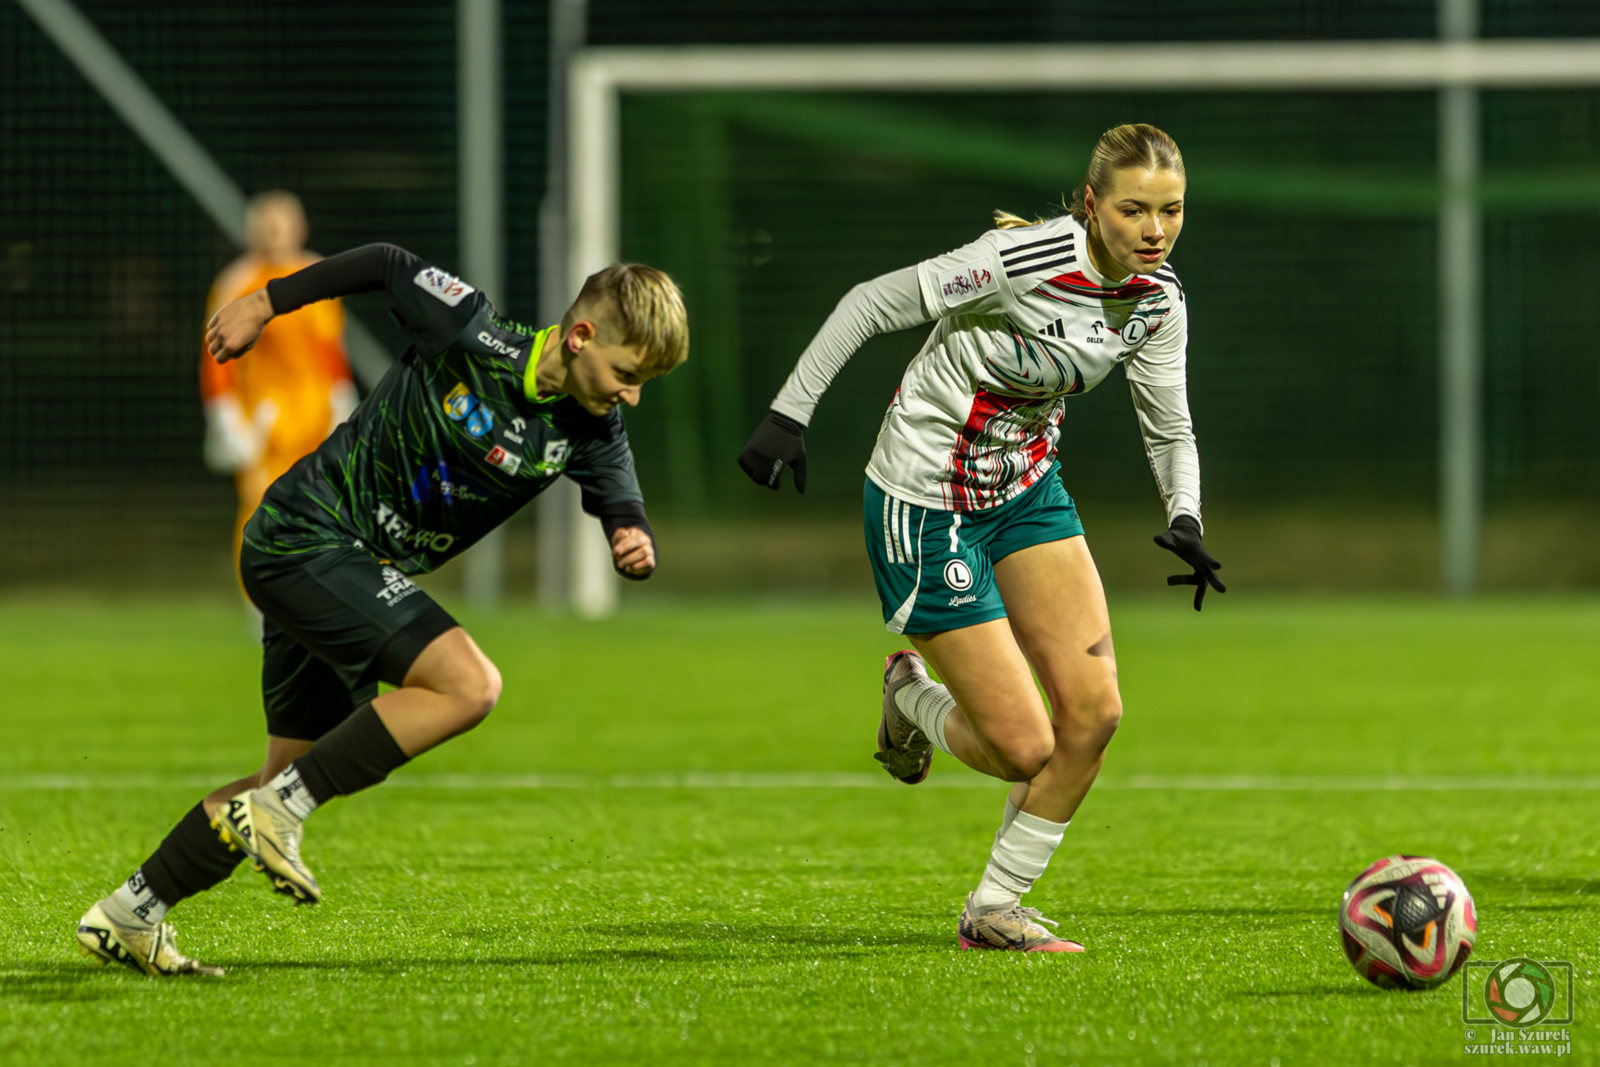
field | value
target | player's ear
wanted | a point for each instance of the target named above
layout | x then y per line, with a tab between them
581	333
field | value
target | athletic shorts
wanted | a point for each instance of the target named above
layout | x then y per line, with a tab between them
335	622
935	569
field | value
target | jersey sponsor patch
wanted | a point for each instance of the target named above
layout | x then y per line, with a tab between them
446	288
555	455
966	282
506	461
461	405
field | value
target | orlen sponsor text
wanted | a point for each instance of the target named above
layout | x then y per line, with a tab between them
390	522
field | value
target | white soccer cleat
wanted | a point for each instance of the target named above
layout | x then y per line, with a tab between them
148	950
1010	928
257	824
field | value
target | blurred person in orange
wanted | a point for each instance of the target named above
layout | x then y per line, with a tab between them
264	413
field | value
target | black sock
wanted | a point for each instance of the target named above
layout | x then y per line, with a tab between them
358	753
190	860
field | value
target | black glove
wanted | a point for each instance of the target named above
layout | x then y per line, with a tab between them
777	441
1182	539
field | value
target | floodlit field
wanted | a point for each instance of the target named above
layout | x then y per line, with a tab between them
670	844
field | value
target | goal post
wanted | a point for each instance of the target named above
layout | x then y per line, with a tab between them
1455	67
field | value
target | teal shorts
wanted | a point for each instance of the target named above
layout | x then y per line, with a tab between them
935	569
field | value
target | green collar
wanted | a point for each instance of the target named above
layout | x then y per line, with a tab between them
530	383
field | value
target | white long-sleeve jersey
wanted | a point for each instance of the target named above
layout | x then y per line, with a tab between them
1023	322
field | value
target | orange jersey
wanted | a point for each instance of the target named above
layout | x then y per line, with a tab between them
284	382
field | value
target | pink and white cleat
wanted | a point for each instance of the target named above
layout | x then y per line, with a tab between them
1010	928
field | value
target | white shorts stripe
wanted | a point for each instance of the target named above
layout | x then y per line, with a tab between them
902	615
888	541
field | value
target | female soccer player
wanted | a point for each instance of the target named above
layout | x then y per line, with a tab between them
976	548
477	419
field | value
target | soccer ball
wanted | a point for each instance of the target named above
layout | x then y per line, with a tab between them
1407	923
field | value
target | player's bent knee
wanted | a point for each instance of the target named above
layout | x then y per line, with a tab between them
477	698
1107	716
1023	759
1093	716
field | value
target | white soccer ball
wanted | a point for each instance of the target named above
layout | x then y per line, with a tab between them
1407	923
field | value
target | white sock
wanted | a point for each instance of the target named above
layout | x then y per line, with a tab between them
1022	850
293	792
1012	811
133	904
928	704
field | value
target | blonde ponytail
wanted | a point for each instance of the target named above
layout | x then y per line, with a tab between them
1005	220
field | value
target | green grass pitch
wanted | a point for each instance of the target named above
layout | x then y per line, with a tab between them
669	844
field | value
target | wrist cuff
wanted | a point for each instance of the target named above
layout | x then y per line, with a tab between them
785	423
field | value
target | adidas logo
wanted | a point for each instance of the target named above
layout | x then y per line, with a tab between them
1055	329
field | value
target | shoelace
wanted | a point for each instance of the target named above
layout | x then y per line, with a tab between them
1032	915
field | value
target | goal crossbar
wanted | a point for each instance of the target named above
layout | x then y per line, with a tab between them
598	75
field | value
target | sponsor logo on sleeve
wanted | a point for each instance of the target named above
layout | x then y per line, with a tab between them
488	340
967	282
446	288
506	461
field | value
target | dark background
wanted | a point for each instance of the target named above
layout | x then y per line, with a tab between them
1308	258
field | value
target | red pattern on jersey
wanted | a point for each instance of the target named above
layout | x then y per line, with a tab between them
1132	289
1004	447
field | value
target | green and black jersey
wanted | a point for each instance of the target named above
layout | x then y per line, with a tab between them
452	441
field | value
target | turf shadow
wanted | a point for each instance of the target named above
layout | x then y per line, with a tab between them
688	942
62	983
1222	913
1483	886
769	934
1363	990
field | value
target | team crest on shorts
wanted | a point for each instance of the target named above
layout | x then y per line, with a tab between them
958	576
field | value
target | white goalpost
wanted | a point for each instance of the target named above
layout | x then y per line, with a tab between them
1457	65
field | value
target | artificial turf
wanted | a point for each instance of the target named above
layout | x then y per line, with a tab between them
669	844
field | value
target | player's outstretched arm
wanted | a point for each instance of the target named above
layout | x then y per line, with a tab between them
433	305
237	326
883	305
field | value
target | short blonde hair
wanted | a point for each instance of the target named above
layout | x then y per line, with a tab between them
638	306
1133	145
